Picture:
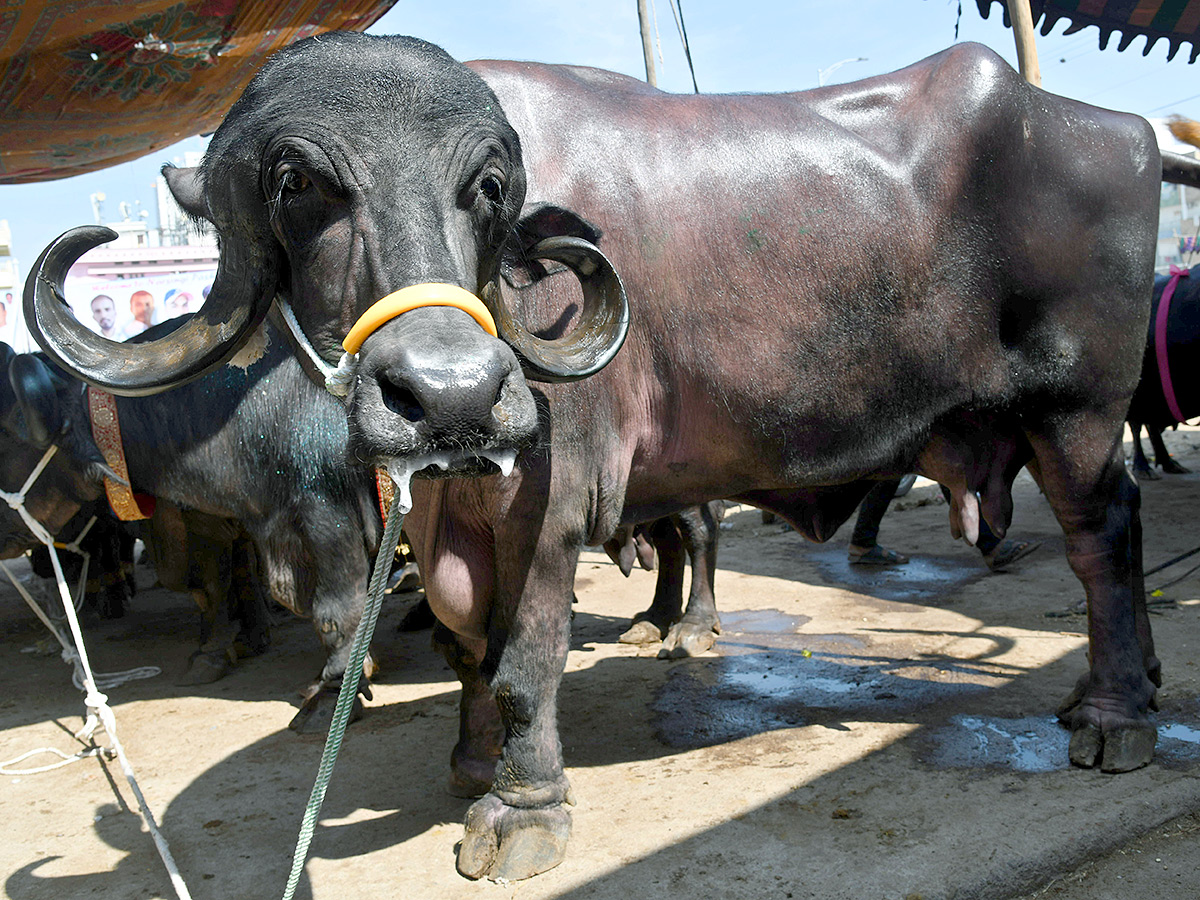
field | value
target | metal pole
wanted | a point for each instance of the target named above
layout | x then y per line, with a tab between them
1022	22
647	42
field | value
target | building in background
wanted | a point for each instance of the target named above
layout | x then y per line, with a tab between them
12	332
146	275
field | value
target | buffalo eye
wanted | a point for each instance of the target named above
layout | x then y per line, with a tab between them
492	189
293	181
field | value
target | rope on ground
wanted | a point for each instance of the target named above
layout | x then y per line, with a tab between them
104	680
64	759
1175	581
1170	562
349	690
98	710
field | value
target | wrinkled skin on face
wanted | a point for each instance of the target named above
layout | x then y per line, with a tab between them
408	174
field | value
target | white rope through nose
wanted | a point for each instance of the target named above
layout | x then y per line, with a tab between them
337	380
99	712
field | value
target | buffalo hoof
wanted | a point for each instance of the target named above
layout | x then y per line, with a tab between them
642	631
1119	750
688	639
1146	474
504	843
1171	467
207	666
316	712
1108	733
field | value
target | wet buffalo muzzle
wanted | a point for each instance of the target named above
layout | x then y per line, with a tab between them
422	389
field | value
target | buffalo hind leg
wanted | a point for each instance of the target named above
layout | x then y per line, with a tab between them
1141	465
1097	507
1162	457
480	731
697	631
653	624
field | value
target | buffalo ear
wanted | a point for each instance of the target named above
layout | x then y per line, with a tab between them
540	221
187	187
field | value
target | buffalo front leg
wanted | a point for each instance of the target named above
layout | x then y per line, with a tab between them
521	826
339	597
1107	711
698	629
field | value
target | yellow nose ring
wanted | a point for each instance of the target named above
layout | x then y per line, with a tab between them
413	297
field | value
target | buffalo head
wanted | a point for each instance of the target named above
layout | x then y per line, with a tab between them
354	167
39	407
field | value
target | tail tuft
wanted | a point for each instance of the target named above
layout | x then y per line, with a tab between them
1186	130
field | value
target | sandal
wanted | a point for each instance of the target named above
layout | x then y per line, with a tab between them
1008	552
876	556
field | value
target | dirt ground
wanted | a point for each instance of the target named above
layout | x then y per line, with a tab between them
865	734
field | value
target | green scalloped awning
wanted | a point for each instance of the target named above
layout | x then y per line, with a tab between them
86	84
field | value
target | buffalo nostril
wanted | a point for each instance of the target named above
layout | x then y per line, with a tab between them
403	402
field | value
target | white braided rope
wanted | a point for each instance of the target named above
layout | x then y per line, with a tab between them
63	761
98	710
337	379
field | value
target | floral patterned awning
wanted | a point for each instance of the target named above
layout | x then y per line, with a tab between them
1176	21
86	84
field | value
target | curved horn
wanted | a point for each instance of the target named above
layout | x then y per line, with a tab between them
239	300
602	326
36	395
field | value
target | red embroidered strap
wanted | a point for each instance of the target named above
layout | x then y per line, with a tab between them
1160	342
386	489
106	429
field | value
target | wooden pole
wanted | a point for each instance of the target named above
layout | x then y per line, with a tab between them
647	42
1022	22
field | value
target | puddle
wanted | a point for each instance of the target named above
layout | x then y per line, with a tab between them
761	621
1030	744
715	700
1033	744
922	579
1179	732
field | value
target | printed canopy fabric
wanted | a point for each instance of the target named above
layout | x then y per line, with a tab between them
86	84
1176	21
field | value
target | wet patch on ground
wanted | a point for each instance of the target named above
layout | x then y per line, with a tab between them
923	579
712	701
1037	743
1027	744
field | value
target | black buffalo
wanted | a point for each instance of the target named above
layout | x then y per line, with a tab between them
255	452
1150	407
941	270
96	536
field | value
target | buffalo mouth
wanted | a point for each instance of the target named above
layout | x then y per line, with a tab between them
447	464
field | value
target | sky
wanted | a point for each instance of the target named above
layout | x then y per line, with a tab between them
752	45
